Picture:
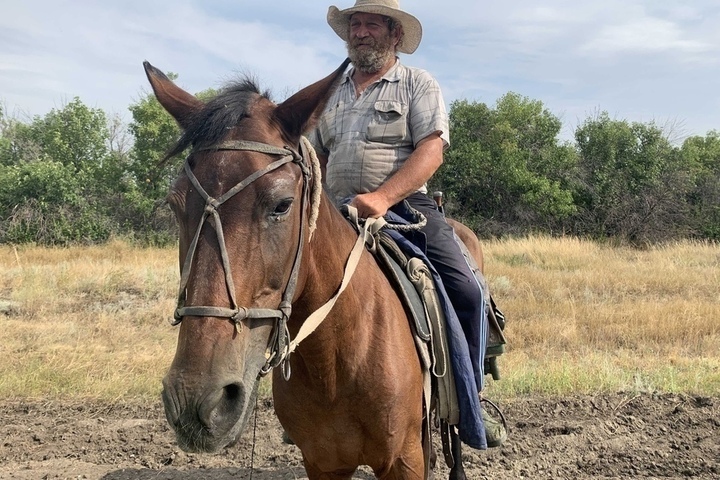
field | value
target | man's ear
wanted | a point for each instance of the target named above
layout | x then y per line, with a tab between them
398	35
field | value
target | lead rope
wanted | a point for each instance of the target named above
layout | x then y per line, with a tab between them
252	451
316	192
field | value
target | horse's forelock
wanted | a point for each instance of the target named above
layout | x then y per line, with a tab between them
212	123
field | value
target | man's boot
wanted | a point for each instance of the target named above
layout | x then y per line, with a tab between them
495	432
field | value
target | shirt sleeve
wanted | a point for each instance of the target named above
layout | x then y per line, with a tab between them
428	114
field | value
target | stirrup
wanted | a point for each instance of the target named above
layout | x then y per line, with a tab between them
503	423
497	409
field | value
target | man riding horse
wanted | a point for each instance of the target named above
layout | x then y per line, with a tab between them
382	137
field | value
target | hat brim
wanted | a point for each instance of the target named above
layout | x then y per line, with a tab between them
339	21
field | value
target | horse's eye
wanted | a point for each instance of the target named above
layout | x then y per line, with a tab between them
283	208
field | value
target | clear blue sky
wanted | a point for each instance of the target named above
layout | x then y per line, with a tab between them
639	60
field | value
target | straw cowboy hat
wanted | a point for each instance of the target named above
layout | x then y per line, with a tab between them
340	19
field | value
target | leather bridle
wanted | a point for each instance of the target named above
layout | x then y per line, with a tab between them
277	347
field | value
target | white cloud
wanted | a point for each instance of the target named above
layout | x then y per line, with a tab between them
649	59
646	35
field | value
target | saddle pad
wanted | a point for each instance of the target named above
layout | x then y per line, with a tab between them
394	262
416	281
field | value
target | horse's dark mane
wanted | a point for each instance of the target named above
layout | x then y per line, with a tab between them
212	123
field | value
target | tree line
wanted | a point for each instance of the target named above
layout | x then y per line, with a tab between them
77	175
507	173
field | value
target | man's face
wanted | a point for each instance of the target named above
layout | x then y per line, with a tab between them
370	43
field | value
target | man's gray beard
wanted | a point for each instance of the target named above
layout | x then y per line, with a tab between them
369	60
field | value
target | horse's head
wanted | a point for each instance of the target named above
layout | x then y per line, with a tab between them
242	208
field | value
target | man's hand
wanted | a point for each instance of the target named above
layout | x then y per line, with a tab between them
371	205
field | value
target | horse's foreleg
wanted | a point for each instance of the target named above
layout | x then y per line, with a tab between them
409	466
403	469
314	473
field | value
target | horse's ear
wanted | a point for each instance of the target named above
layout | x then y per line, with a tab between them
178	103
299	113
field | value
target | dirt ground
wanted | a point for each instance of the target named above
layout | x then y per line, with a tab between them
611	436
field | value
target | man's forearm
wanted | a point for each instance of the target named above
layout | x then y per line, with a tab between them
415	172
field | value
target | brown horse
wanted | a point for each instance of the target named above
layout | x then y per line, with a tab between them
251	274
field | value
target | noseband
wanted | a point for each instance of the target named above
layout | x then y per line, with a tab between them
237	314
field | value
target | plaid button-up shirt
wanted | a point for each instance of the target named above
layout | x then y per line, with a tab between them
368	138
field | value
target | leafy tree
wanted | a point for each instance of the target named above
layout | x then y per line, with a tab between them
57	176
506	171
74	136
16	142
634	182
701	155
43	202
154	132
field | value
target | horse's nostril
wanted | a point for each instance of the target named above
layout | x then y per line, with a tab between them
231	403
231	392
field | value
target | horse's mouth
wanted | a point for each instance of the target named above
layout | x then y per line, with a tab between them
201	443
194	438
199	429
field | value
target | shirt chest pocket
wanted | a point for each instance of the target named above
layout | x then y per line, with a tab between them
388	123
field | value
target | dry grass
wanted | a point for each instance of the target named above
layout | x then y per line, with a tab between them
585	317
91	322
85	322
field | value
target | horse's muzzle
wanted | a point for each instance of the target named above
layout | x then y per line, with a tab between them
207	419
